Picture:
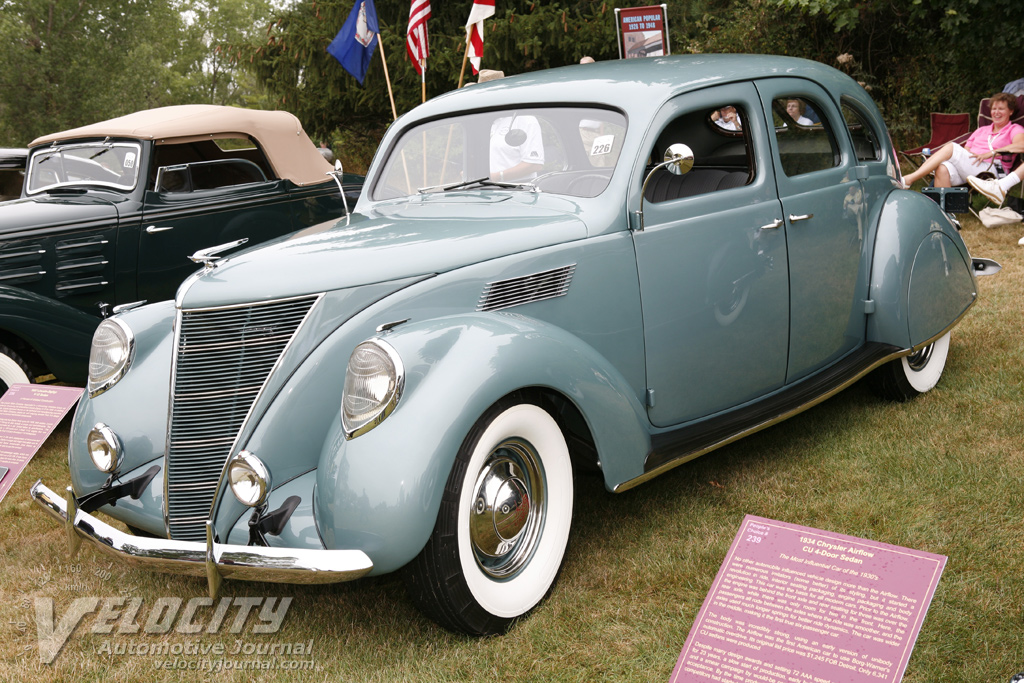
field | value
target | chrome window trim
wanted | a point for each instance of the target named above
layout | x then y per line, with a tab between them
96	390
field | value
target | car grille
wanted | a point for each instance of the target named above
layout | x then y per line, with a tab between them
224	357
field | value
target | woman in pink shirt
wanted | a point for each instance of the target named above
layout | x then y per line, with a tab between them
953	164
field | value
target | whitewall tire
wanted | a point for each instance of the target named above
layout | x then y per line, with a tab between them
503	528
910	376
13	370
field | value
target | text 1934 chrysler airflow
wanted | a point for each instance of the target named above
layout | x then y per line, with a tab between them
586	266
110	213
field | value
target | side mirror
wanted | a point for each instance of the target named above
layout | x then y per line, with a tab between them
678	161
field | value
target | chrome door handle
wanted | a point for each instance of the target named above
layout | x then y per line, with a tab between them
151	229
794	219
771	226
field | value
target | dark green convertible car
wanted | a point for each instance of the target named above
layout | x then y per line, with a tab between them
111	213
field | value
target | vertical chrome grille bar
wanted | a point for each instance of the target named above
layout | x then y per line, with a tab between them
223	358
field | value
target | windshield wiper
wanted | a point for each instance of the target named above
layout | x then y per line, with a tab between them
485	182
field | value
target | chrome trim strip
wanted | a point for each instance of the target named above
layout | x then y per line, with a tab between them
21	275
22	254
245	563
88	242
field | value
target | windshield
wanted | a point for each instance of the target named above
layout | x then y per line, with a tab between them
563	150
106	164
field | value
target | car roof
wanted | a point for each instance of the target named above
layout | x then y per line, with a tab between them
637	86
289	150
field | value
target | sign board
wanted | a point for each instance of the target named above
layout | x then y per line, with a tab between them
28	413
792	604
642	31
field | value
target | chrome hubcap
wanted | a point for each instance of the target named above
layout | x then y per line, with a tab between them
508	509
917	361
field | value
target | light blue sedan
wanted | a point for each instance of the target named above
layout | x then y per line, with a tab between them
616	266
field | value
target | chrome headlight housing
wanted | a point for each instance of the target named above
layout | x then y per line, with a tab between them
249	479
104	448
113	348
373	386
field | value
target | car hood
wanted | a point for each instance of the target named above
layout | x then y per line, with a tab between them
55	210
393	240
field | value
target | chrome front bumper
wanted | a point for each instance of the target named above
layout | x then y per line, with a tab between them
216	561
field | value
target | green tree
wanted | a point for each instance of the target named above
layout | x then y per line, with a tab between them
70	62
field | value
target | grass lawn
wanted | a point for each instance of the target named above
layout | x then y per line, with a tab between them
943	473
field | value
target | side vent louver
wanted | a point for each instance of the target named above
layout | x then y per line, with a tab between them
526	289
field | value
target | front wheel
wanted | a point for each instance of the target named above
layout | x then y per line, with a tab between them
503	527
909	376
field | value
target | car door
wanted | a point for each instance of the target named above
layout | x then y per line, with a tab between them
822	199
712	260
195	206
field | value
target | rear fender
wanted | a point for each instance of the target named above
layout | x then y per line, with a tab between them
922	282
381	491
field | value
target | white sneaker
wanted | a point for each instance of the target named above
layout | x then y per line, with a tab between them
989	188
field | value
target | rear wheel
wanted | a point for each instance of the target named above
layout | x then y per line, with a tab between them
13	370
910	376
503	527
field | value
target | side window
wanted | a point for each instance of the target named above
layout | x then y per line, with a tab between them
865	141
722	154
806	143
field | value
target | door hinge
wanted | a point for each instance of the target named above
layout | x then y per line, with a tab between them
650	398
869	306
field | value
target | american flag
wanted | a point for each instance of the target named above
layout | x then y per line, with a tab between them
416	40
475	30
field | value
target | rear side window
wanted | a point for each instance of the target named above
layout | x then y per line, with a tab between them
865	141
806	143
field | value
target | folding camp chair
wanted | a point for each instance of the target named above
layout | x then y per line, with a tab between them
945	127
1004	163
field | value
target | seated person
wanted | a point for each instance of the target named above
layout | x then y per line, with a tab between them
953	164
996	189
517	148
796	108
727	117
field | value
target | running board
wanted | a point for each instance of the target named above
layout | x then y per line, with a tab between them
673	448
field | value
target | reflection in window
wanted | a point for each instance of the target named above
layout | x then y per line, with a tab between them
563	150
722	154
804	146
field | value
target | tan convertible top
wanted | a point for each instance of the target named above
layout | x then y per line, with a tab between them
289	150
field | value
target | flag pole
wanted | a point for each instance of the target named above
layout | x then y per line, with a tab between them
423	80
391	95
465	58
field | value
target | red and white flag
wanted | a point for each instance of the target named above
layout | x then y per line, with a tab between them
475	30
416	39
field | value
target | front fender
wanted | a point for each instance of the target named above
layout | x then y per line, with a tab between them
59	333
380	492
921	276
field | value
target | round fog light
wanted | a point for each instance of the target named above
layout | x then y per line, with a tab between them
104	448
249	479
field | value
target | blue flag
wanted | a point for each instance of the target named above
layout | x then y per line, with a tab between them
357	39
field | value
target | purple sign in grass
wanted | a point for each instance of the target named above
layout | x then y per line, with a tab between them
792	604
28	413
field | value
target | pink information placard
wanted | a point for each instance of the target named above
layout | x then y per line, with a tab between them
792	604
28	413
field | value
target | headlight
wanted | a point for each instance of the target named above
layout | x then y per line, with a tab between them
373	385
249	479
104	448
113	346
